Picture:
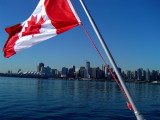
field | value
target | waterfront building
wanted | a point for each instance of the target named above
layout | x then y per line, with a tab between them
46	70
153	75
81	72
70	72
143	75
88	66
100	74
157	74
139	74
53	72
135	75
94	73
57	73
40	66
105	70
123	75
64	72
87	71
120	70
128	74
132	75
74	68
86	75
109	77
43	70
148	75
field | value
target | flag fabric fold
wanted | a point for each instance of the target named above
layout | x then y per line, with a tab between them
50	18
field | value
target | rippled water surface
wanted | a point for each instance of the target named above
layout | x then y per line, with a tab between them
40	99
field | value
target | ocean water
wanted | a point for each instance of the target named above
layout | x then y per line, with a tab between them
40	99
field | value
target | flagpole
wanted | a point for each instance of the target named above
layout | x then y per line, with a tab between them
136	112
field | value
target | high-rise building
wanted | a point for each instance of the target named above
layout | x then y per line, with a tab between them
148	75
88	67
74	68
96	72
105	70
99	74
46	70
157	74
143	75
53	72
64	72
135	75
139	73
40	66
120	70
71	72
154	75
82	72
128	75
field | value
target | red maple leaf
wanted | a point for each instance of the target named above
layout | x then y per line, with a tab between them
33	27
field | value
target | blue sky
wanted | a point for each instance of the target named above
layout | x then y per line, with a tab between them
131	29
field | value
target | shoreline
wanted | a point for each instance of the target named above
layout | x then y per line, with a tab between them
75	79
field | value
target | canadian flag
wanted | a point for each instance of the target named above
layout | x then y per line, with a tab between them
51	17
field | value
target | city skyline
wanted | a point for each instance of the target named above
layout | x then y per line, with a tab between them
76	67
91	72
87	72
130	29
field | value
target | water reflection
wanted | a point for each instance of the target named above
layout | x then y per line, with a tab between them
86	92
77	100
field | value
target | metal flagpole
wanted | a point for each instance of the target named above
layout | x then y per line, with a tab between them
136	112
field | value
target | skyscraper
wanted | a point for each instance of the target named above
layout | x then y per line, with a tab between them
64	72
105	70
94	72
148	75
87	69
71	72
82	72
74	68
139	73
88	66
40	66
128	74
